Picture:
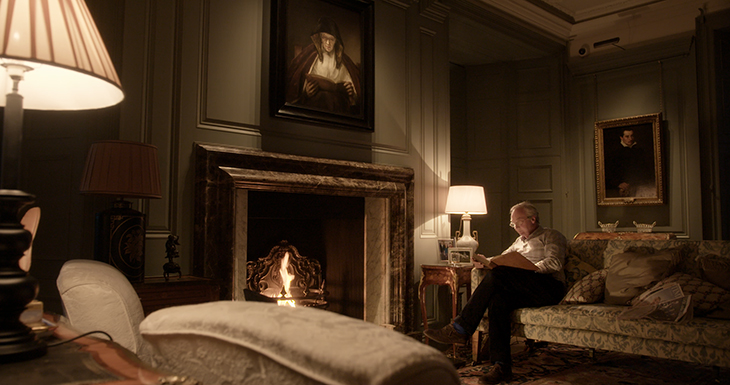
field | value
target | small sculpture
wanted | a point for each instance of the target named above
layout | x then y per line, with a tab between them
171	248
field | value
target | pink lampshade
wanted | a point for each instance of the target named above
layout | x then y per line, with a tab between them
122	169
55	46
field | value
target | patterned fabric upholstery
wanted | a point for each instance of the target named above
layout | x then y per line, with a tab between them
589	289
706	297
703	340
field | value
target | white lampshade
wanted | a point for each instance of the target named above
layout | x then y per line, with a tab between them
70	68
466	200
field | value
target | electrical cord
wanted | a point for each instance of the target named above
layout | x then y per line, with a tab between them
79	336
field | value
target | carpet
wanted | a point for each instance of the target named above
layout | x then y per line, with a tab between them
557	364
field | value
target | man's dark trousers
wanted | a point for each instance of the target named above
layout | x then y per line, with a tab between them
502	290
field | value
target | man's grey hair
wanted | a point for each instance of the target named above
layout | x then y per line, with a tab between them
529	208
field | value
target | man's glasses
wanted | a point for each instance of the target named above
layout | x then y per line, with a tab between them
519	222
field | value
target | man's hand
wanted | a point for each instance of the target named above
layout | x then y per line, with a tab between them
480	261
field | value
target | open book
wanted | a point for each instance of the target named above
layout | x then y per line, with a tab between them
325	84
661	303
511	259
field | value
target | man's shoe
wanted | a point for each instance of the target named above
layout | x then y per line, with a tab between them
498	374
446	335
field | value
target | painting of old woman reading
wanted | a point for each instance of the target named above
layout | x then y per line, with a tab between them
324	62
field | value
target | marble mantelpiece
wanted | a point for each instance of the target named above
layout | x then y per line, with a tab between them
225	174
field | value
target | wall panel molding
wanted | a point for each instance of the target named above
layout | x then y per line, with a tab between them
230	71
427	134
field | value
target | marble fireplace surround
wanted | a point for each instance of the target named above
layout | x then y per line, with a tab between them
225	174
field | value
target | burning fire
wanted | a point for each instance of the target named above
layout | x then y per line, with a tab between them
286	278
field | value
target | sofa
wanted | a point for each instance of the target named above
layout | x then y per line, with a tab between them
588	316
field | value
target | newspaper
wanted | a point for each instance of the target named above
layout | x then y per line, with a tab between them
661	303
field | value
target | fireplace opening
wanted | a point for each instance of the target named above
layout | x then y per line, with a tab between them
328	229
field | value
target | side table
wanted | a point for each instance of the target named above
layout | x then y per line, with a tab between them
86	360
156	293
453	276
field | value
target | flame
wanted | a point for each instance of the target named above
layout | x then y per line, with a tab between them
286	278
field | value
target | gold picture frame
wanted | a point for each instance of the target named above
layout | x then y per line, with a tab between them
629	161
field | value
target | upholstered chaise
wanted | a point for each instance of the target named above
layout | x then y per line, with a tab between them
270	344
239	342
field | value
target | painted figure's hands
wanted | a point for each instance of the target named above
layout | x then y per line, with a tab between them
623	189
310	88
350	88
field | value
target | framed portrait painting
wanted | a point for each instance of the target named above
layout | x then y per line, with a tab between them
322	62
629	161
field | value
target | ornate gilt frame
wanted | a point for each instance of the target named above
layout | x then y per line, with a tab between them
609	167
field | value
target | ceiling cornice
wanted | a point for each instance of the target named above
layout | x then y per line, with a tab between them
547	21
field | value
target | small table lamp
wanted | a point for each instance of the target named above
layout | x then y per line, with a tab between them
467	201
55	60
125	170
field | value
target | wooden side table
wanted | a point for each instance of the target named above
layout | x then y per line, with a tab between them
453	276
86	360
156	293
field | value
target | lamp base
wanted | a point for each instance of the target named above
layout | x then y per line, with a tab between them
120	239
17	288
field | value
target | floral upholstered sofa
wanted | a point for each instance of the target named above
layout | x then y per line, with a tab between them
584	318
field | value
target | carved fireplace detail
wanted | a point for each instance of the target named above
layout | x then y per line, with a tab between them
223	177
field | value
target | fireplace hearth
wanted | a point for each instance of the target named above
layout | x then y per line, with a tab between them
226	175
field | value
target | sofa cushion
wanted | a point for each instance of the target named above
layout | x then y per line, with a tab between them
715	269
589	289
603	318
722	312
635	270
575	269
706	297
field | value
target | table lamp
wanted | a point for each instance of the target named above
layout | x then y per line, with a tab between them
55	60
122	169
467	201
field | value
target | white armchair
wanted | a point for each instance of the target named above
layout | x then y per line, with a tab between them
240	342
97	296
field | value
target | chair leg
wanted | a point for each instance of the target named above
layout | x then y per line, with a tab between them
531	345
479	347
476	339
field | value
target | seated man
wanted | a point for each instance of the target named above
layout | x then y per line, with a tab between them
506	288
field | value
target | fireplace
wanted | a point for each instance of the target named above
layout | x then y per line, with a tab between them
226	176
